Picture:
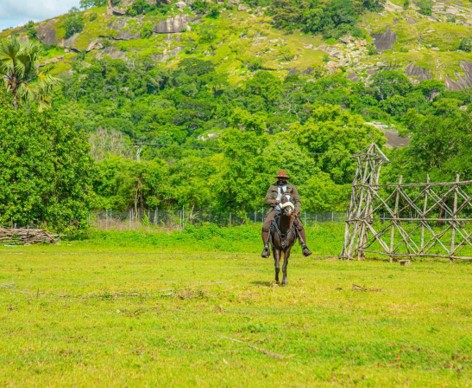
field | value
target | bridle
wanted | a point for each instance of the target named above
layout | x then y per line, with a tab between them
287	208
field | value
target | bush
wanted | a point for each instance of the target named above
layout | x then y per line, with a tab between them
466	45
74	22
371	49
84	4
146	30
139	7
31	31
425	6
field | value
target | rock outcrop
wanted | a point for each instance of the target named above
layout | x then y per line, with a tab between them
94	45
394	140
463	81
417	72
47	33
124	31
112	52
384	41
172	25
71	43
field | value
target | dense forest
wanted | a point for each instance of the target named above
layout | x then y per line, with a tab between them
118	134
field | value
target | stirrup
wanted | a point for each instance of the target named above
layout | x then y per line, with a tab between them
265	252
306	251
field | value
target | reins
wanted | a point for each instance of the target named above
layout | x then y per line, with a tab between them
283	236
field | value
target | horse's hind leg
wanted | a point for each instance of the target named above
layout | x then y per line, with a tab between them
284	267
276	264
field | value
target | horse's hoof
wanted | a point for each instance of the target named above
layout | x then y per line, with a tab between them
275	284
284	284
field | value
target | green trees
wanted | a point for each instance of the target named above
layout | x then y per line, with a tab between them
31	31
122	184
21	76
332	135
84	4
333	18
440	144
373	5
74	22
389	83
44	171
212	145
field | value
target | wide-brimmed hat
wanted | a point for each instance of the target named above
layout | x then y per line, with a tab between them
282	174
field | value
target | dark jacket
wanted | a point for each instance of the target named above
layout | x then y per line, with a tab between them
271	196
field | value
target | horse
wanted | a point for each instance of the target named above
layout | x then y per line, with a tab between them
283	235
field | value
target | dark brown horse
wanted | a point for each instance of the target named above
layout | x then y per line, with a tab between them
282	236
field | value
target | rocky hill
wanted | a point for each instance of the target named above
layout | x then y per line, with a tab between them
240	39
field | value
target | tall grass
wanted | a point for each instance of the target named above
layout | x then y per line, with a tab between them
325	239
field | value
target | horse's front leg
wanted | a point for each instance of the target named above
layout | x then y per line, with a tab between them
285	265
276	254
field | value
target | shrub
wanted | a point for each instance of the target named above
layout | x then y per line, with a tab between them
74	22
426	7
146	30
466	45
84	4
139	7
371	49
31	30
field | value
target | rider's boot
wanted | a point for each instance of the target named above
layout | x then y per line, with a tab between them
302	236
265	240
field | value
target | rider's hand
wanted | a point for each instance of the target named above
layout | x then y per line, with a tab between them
297	213
277	201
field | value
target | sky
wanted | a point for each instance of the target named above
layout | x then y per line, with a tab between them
14	13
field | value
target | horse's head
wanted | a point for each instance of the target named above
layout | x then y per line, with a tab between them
286	205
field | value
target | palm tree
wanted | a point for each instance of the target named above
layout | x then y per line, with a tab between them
20	73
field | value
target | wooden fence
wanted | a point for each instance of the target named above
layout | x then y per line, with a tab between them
406	219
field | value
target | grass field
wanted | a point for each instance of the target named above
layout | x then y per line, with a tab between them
198	308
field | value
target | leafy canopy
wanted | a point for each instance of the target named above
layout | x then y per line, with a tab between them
19	70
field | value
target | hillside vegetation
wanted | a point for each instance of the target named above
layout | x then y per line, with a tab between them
280	35
198	104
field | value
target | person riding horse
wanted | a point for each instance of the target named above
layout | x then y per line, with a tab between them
273	197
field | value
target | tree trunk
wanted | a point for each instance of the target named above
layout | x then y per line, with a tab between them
14	91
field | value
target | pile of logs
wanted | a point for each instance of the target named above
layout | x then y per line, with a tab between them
26	236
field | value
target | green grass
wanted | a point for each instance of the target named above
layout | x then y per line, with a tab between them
198	308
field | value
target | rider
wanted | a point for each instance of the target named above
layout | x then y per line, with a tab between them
274	194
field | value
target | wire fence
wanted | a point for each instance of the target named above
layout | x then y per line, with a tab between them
128	220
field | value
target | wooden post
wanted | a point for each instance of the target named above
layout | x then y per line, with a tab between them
454	219
425	208
395	217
